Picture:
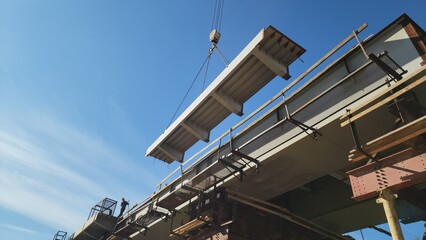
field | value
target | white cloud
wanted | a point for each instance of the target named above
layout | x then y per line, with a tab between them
16	228
53	173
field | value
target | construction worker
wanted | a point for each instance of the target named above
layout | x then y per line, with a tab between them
124	204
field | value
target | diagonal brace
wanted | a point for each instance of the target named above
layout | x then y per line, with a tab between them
251	159
305	128
236	169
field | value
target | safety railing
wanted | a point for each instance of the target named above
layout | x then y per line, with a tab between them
205	151
106	206
365	75
60	235
313	106
214	145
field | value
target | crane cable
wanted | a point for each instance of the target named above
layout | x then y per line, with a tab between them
215	29
189	89
224	60
217	15
216	25
207	69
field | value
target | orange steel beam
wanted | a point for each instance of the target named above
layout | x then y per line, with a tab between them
400	170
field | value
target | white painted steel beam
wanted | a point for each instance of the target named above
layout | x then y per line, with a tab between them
196	130
276	66
229	103
171	152
234	86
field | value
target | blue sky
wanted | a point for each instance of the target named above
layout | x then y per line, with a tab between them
87	85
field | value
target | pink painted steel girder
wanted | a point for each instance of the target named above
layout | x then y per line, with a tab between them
403	169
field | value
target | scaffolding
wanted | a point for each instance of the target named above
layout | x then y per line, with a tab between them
100	222
60	235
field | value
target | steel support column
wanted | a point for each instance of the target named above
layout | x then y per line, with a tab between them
387	198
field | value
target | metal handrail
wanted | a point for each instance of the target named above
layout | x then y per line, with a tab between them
106	205
60	235
344	79
150	199
263	106
306	104
245	120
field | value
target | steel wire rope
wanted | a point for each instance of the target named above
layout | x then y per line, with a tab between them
214	16
224	60
216	24
217	15
207	69
189	89
220	15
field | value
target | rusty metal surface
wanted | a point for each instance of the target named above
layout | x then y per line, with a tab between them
403	169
